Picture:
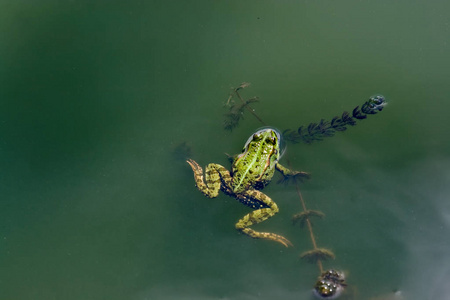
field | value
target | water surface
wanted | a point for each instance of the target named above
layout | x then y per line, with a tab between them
95	96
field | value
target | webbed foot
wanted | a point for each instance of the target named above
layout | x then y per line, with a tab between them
291	175
211	187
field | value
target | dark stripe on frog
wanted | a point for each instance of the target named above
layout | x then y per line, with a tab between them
225	176
252	203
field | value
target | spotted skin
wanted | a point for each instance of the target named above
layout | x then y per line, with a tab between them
252	170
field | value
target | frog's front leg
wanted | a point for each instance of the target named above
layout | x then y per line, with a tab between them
258	216
289	174
214	174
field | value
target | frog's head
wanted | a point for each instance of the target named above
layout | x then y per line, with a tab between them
266	141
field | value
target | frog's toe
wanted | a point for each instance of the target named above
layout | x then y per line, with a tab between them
267	236
283	240
277	238
194	165
303	174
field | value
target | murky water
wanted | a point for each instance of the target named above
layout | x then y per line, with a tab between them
95	97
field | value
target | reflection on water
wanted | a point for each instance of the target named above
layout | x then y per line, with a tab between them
426	216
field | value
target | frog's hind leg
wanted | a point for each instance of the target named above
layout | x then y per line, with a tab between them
209	186
258	216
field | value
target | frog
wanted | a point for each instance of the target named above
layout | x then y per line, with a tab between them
251	171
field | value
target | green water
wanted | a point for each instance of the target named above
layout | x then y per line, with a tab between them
96	95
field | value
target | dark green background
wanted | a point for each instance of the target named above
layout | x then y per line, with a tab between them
95	96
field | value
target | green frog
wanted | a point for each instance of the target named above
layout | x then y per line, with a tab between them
251	171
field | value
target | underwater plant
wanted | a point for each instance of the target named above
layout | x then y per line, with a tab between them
236	109
322	129
305	215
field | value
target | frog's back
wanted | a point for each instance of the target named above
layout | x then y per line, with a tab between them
252	171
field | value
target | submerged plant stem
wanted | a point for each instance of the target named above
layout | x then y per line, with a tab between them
308	223
249	108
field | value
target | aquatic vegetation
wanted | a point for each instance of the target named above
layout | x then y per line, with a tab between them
236	108
306	134
306	215
317	254
318	131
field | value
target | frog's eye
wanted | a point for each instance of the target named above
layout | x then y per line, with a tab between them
271	140
257	136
